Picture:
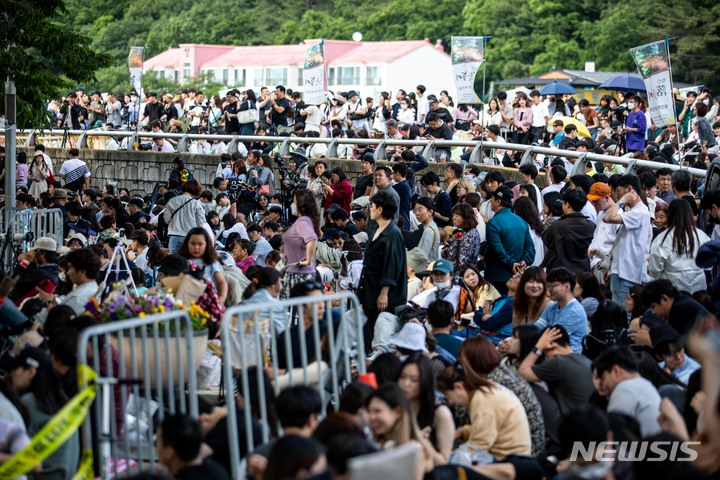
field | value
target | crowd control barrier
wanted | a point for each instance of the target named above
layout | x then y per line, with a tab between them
19	232
323	351
146	368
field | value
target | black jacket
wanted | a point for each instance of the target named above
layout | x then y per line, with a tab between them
385	265
567	241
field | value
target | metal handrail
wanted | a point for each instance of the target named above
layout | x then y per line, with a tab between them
285	141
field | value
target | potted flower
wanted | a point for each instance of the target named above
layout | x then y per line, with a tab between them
119	306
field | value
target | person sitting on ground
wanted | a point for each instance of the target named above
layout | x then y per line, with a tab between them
567	311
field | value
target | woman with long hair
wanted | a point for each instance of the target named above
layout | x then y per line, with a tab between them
518	346
483	292
264	176
464	186
522	120
198	247
39	173
531	298
530	191
340	192
525	208
300	241
464	245
672	253
491	113
435	420
588	292
498	422
392	422
248	101
214	113
40	386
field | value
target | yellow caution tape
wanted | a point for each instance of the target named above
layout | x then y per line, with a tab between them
85	470
56	432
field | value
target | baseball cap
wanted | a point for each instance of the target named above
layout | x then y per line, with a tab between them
417	259
329	234
60	193
441	265
45	243
599	190
504	194
411	337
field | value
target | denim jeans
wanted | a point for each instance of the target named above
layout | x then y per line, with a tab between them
175	243
620	288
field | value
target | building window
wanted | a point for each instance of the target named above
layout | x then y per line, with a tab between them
210	75
276	76
348	76
225	76
373	76
186	71
331	76
176	76
239	77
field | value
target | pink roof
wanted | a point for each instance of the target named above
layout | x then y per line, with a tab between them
169	58
259	55
379	52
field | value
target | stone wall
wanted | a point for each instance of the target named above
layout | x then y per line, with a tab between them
140	171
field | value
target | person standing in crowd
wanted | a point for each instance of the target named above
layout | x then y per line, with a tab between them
635	125
442	211
632	240
383	284
568	239
509	244
75	172
300	241
183	213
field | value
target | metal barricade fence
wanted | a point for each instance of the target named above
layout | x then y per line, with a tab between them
252	340
42	223
146	367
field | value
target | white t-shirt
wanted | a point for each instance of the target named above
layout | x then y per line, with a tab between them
425	298
423	107
632	243
539	112
166	147
313	119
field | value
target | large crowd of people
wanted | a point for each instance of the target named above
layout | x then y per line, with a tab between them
505	322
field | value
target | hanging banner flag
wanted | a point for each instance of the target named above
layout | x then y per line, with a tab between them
467	54
135	63
653	62
314	78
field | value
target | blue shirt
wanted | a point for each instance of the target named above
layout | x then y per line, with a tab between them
683	373
572	317
636	140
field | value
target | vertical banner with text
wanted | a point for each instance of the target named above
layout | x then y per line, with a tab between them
468	54
135	63
314	79
653	62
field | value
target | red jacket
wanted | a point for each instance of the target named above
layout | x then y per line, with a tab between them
342	195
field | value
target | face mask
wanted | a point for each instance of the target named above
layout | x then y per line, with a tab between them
62	276
706	101
293	209
631	105
443	285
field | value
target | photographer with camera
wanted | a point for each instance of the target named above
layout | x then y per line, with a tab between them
37	269
73	113
96	109
297	176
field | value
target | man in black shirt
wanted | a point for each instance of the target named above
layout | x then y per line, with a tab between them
279	107
178	448
232	125
439	130
442	112
153	109
364	184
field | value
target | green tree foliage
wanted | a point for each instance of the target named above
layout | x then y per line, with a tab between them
532	36
41	56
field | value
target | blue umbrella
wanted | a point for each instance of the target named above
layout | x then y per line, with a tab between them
557	88
624	83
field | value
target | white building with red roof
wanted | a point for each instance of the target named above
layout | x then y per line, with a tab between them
367	67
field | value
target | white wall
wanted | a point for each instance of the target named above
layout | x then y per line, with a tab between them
425	66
